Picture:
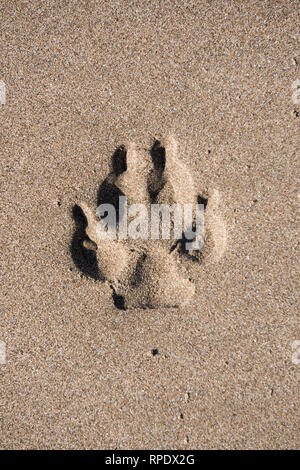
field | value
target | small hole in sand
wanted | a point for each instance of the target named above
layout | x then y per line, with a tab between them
158	154
154	352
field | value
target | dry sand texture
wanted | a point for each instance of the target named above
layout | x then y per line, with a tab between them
82	79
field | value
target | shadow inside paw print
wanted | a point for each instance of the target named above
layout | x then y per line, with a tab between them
143	272
85	260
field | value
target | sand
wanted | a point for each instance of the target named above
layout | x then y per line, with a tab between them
82	79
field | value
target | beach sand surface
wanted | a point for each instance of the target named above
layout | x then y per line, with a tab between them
83	78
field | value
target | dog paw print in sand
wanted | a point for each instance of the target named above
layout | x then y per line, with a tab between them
142	271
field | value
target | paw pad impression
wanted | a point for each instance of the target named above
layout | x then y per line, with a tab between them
148	272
